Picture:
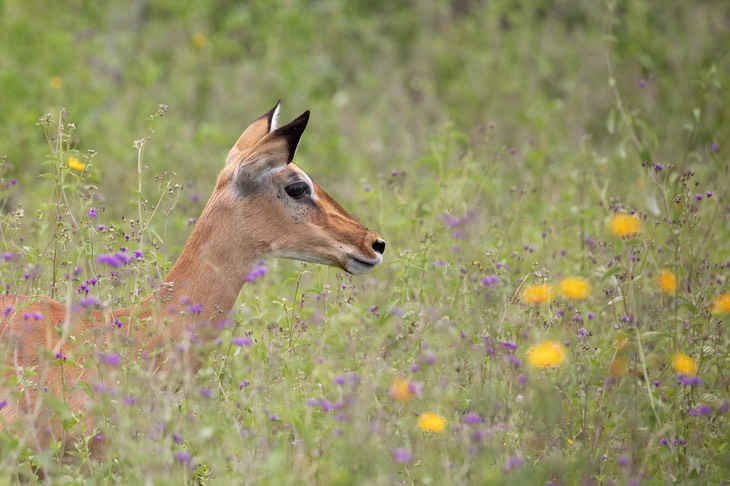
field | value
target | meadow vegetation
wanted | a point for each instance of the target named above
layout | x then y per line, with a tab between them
551	180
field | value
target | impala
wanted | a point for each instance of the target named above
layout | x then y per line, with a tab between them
262	205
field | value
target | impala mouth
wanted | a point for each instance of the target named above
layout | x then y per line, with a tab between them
357	265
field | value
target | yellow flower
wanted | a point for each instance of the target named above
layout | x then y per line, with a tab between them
547	354
55	82
198	39
667	281
625	225
721	304
619	366
431	422
537	294
684	364
400	390
575	288
76	164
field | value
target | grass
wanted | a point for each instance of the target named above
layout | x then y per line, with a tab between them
491	145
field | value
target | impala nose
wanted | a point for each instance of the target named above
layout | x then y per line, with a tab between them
379	246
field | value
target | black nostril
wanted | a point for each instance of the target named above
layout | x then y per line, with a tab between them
379	246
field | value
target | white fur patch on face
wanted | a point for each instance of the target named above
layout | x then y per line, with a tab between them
309	182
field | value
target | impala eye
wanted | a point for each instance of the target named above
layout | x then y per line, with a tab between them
297	190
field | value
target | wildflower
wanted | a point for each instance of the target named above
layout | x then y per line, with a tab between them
431	422
685	380
55	82
3	403
243	384
93	213
138	254
472	418
129	400
547	354
198	40
513	462
8	310
241	341
684	364
183	456
177	438
490	280
400	390
402	455
721	304
75	164
625	225
575	288
537	294
667	281
259	271
110	358
619	366
699	410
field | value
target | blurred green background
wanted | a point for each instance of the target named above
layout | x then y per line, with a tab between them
380	78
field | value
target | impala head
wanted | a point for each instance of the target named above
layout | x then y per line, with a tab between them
288	215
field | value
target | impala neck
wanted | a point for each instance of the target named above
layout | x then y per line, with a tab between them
202	286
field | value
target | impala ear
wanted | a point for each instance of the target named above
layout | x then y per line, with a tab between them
291	134
253	134
272	152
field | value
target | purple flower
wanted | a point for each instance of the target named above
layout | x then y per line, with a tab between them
622	461
111	260
402	455
110	358
698	197
522	378
241	341
590	316
490	280
138	254
92	213
89	301
688	380
509	345
118	323
3	403
177	438
700	410
205	392
714	147
259	271
512	150
8	255
472	418
183	456
8	310
195	308
11	182
60	356
709	194
656	383
339	380
129	400
513	462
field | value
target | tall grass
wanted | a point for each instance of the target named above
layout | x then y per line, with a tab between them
493	146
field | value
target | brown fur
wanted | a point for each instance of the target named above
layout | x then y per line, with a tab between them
235	230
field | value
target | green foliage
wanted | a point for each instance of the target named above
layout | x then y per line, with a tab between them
489	143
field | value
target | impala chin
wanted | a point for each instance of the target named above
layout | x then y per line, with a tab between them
358	265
